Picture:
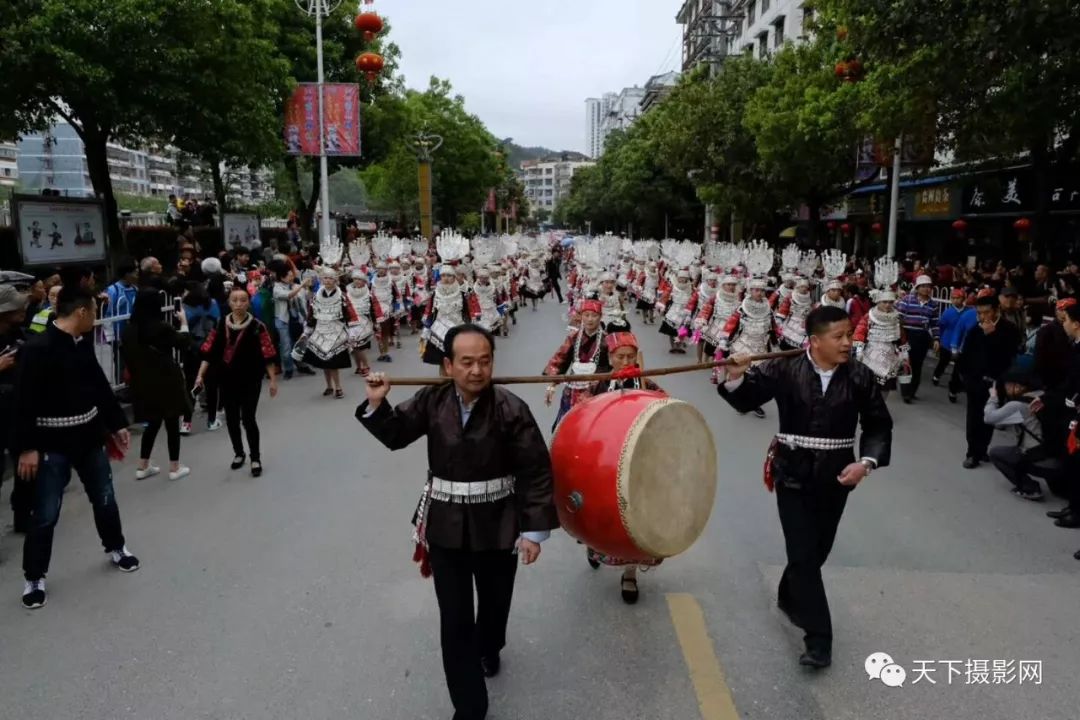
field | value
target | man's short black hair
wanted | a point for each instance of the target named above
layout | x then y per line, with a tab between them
71	298
466	329
820	318
989	301
1073	311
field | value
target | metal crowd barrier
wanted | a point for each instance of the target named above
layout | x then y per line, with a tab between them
107	333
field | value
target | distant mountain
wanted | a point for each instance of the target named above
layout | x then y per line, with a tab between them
519	154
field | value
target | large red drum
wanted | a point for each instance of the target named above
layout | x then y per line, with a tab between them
635	474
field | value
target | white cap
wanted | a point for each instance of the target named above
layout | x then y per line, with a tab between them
683	275
923	280
758	284
211	266
834	284
884	296
729	280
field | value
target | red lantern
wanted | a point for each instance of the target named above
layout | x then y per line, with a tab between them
371	64
1023	224
841	69
877	228
845	228
831	224
959	225
370	24
854	70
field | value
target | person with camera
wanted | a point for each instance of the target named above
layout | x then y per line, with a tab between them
158	391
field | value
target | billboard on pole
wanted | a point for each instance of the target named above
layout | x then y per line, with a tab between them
342	121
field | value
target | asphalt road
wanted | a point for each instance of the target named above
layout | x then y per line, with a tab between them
293	596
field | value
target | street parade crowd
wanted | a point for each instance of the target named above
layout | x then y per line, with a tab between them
216	330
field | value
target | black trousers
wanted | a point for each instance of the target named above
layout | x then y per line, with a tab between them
556	289
809	516
467	636
979	434
240	400
172	434
945	356
22	495
919	342
1020	468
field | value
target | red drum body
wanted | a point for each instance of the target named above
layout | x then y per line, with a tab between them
635	474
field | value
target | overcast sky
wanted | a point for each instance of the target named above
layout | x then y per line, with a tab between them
525	67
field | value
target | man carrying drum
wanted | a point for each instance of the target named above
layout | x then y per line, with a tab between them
488	496
821	397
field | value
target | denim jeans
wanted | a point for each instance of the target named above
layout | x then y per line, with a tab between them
54	473
285	346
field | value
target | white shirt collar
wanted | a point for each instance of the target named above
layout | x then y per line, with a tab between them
825	375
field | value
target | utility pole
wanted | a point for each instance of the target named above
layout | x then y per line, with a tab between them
894	197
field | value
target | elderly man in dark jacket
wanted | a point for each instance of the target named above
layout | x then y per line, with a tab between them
822	397
489	494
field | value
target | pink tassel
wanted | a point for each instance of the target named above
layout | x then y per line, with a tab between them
696	338
683	332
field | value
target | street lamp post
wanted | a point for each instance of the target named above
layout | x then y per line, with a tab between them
424	144
320	9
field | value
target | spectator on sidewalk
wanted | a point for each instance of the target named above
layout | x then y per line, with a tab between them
1038	443
1013	311
157	381
64	410
987	354
12	337
203	314
918	316
1053	348
286	290
950	339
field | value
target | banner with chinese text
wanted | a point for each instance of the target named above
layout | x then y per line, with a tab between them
341	124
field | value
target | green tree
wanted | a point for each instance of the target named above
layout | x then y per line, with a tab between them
804	124
126	70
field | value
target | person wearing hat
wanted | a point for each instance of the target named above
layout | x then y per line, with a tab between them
678	303
988	352
951	338
12	336
919	318
330	331
400	281
364	303
386	293
583	352
1012	309
791	315
448	307
623	353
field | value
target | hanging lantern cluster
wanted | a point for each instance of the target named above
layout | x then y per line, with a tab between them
876	228
959	225
370	25
1022	225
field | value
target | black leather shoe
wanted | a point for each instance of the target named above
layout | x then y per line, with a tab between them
816	658
1072	520
1077	554
1055	514
970	463
490	665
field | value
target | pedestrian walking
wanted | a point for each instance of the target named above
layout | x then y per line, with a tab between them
952	327
554	273
489	494
65	411
240	351
203	314
159	396
286	289
821	397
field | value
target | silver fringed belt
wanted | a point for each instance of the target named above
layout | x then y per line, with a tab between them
70	421
471	493
815	443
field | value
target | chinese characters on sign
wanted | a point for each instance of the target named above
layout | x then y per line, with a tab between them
341	124
933	201
1008	192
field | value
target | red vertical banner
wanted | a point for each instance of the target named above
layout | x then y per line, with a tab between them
342	122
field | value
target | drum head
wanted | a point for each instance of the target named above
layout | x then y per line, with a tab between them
667	478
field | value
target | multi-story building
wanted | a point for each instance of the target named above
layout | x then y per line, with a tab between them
612	111
760	26
657	88
9	164
56	159
547	180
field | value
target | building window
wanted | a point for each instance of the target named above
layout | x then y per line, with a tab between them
750	7
807	19
778	31
763	44
7	172
764	7
749	49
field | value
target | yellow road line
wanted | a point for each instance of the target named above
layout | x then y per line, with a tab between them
713	694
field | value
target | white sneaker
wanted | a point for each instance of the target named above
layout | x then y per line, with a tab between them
181	472
150	471
185	428
216	425
124	561
34	594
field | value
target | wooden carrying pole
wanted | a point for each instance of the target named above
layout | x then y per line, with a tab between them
597	377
